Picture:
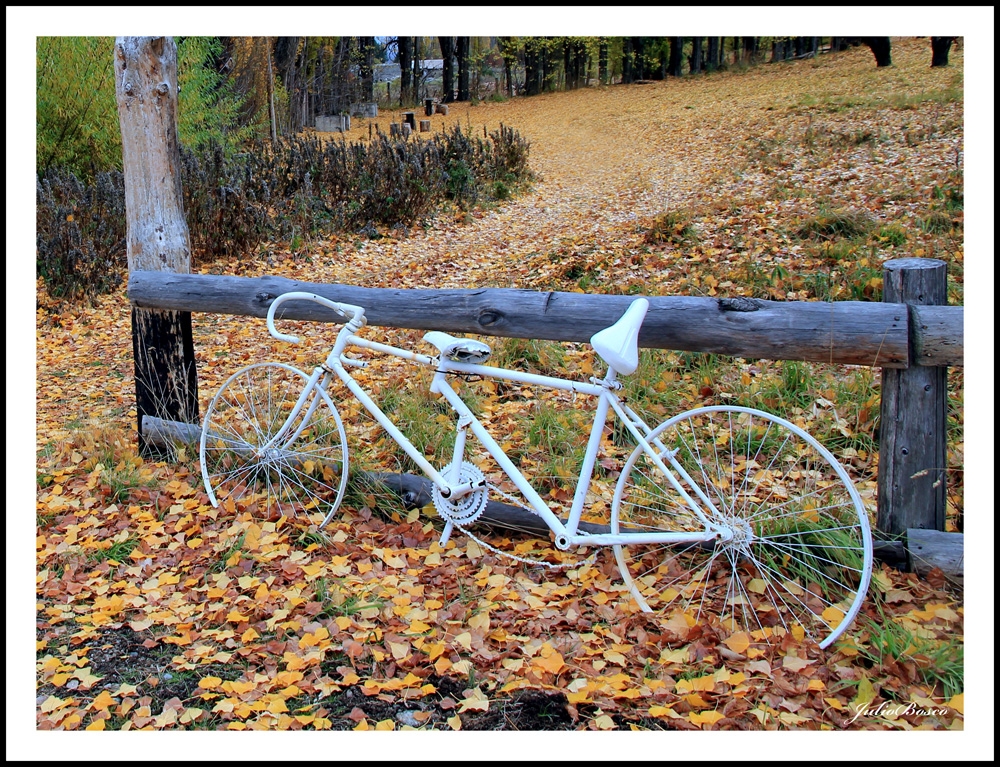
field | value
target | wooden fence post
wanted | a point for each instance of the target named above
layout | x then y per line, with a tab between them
157	239
912	470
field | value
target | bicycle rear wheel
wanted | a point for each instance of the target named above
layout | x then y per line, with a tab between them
795	553
307	476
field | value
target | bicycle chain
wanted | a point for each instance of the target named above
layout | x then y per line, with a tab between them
524	560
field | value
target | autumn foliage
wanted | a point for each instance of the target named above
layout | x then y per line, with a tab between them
792	181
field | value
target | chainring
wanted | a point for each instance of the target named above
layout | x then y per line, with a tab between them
468	508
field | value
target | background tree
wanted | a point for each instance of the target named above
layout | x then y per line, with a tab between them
366	69
714	53
404	57
676	56
462	54
695	60
508	50
448	73
940	47
602	61
881	48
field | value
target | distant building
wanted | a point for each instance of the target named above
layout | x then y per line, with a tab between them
387	73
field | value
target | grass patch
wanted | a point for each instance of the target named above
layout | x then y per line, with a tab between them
939	663
836	222
671	227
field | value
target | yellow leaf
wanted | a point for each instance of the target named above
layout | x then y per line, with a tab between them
866	694
477	701
674	656
277	706
190	714
97	725
706	717
249	635
465	639
399	650
102	701
553	663
455	722
385	725
793	663
738	642
757	585
833	616
480	621
695	701
957	703
604	722
663	711
362	726
834	703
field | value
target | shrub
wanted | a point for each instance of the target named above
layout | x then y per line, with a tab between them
299	188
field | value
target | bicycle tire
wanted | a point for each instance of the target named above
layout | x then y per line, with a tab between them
306	477
800	551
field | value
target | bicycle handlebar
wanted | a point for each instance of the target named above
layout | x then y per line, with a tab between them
356	313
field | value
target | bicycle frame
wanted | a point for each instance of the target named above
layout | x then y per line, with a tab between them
567	533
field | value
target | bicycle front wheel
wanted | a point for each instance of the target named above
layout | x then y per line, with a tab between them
304	476
794	553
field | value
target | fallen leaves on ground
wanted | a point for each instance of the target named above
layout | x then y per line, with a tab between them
157	611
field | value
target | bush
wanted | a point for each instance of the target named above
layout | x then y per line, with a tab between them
301	187
80	235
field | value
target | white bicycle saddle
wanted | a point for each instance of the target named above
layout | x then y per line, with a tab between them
618	345
459	349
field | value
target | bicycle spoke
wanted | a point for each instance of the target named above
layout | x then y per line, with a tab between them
762	474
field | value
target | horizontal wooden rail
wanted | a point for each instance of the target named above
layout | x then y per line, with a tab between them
842	332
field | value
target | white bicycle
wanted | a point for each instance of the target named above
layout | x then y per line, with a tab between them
724	510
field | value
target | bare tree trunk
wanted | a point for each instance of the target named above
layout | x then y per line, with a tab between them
157	239
674	66
462	50
713	53
367	68
270	93
417	69
940	46
602	62
881	48
405	72
696	62
448	75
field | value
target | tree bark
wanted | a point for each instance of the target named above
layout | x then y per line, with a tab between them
462	51
674	66
366	45
417	70
696	62
602	61
940	47
713	53
881	48
405	70
628	60
157	234
448	73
